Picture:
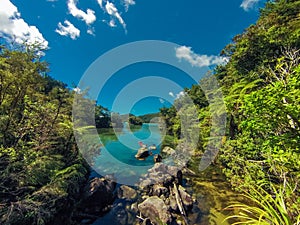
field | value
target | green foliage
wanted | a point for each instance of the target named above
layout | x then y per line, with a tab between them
265	208
197	95
133	120
102	117
267	145
168	141
262	44
261	83
40	168
261	88
169	117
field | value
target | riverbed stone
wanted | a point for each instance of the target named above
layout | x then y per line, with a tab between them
126	192
156	210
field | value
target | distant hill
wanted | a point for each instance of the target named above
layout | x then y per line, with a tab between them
135	120
148	117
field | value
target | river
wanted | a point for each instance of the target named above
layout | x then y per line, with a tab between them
210	188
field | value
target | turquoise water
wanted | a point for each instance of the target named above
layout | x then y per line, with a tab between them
118	152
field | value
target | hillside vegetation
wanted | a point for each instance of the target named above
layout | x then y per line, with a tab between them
261	89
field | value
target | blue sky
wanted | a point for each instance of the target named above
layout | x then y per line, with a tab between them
77	32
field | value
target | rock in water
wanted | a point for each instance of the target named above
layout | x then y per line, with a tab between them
142	153
156	210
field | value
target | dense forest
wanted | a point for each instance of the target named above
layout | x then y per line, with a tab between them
261	88
42	171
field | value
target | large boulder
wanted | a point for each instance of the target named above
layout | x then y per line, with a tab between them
156	210
98	195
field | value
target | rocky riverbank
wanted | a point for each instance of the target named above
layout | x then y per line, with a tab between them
164	200
158	198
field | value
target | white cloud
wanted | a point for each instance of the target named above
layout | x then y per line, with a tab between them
178	95
68	30
91	31
128	3
112	23
14	28
88	17
171	94
186	53
248	4
100	2
113	11
77	90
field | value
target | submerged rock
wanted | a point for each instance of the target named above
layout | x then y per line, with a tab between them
156	210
